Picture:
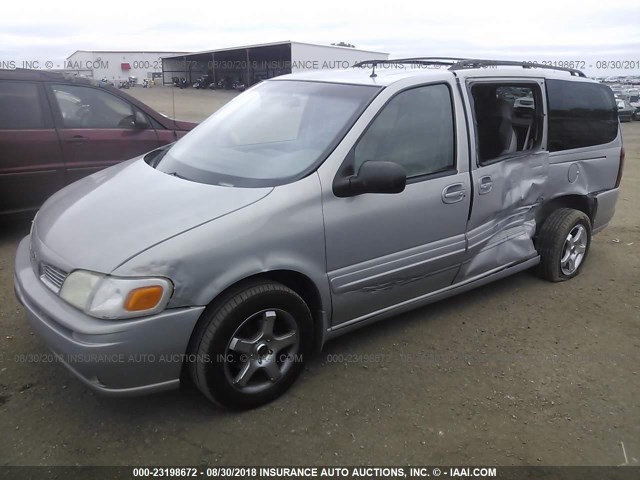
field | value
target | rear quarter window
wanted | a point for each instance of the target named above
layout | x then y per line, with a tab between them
580	114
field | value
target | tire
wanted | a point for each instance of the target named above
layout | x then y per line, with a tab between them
250	345
563	244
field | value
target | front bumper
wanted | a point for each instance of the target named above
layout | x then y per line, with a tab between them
113	357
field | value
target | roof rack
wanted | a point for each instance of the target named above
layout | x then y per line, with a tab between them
455	63
477	63
413	61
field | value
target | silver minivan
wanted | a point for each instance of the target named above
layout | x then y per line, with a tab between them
311	205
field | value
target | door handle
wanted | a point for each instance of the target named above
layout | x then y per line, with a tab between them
485	185
453	193
77	139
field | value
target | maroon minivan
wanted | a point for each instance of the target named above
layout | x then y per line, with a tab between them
56	129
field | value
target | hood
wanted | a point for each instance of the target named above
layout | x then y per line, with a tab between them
105	219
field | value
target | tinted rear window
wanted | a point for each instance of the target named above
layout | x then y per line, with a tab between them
20	106
580	114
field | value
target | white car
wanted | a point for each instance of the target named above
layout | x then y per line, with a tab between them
524	102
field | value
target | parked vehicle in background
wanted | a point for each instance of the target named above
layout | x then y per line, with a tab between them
56	129
523	102
238	86
311	205
625	110
179	82
203	82
634	101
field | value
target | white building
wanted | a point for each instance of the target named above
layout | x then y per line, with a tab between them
117	66
252	63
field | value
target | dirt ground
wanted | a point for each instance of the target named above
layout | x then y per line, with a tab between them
189	103
519	372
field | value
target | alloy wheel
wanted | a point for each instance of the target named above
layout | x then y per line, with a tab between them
573	250
261	351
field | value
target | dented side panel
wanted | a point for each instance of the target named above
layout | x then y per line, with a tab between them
507	195
385	249
505	216
502	223
585	170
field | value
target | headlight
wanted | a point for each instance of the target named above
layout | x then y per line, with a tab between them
105	296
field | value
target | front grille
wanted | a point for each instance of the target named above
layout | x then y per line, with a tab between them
52	277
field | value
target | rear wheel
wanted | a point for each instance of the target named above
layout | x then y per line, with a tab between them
250	345
563	244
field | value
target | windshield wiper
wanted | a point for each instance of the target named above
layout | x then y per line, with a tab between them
175	174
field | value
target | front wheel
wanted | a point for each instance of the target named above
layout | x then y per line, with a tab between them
563	244
250	345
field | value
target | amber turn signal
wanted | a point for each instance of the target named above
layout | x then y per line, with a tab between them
143	298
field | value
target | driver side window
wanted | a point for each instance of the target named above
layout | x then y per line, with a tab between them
415	130
86	107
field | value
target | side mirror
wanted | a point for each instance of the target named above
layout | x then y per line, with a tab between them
373	177
140	121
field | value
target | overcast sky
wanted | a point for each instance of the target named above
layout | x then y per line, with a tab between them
588	30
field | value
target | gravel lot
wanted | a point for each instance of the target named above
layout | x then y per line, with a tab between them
189	103
519	372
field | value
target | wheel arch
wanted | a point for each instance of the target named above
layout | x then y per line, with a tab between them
300	283
583	203
309	292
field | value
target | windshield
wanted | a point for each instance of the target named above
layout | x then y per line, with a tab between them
272	134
